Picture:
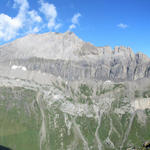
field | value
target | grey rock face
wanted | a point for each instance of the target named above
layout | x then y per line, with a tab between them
65	55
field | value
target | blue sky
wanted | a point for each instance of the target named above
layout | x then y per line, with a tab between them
101	22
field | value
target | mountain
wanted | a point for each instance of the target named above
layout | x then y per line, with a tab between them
65	55
58	92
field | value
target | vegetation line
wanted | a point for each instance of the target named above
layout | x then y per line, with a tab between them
96	133
43	127
81	135
128	130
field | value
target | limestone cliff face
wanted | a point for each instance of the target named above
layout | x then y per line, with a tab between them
67	56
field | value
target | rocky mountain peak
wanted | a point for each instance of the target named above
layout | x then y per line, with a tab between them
67	56
140	57
124	51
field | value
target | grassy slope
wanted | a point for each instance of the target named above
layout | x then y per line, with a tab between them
20	122
18	127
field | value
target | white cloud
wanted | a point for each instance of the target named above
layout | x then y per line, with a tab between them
35	30
23	8
34	16
75	21
27	20
9	26
123	26
49	10
58	26
72	26
22	4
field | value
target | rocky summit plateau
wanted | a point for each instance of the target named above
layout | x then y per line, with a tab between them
58	92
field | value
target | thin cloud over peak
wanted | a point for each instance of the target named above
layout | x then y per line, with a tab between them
75	18
75	21
122	25
49	10
72	26
34	16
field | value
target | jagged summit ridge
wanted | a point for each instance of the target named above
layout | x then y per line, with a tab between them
67	56
65	46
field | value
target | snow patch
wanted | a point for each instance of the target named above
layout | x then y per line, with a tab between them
108	81
23	68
